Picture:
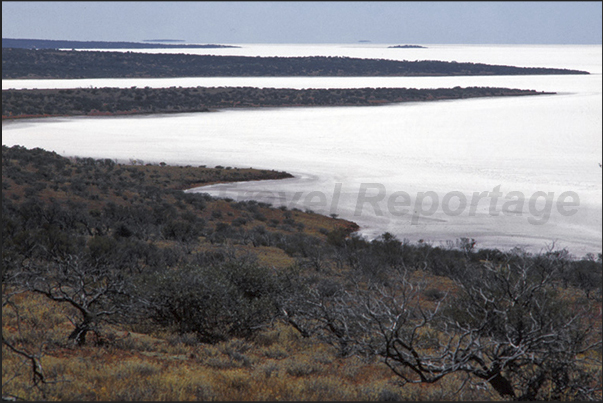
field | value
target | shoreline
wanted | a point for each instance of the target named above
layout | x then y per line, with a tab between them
368	229
372	227
364	229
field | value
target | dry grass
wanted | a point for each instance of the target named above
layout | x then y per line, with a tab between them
278	364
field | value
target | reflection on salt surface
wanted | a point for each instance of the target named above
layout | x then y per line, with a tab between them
549	144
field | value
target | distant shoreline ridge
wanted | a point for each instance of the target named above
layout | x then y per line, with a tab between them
67	44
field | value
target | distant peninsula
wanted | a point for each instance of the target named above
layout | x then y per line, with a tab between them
131	101
54	44
66	64
407	47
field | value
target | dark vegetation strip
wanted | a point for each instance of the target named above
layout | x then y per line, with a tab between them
407	47
57	44
108	101
55	64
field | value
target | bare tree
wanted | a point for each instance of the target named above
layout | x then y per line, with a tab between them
508	327
29	360
318	311
96	291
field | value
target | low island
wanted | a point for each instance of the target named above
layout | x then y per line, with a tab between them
407	47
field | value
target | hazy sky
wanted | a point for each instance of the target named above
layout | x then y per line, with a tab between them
401	22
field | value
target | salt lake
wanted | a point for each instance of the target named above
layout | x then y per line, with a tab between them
516	171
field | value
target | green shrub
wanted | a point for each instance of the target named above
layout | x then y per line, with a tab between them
231	299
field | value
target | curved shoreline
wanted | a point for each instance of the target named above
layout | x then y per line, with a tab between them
294	193
366	229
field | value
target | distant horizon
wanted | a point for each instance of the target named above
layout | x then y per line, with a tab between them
360	42
312	22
